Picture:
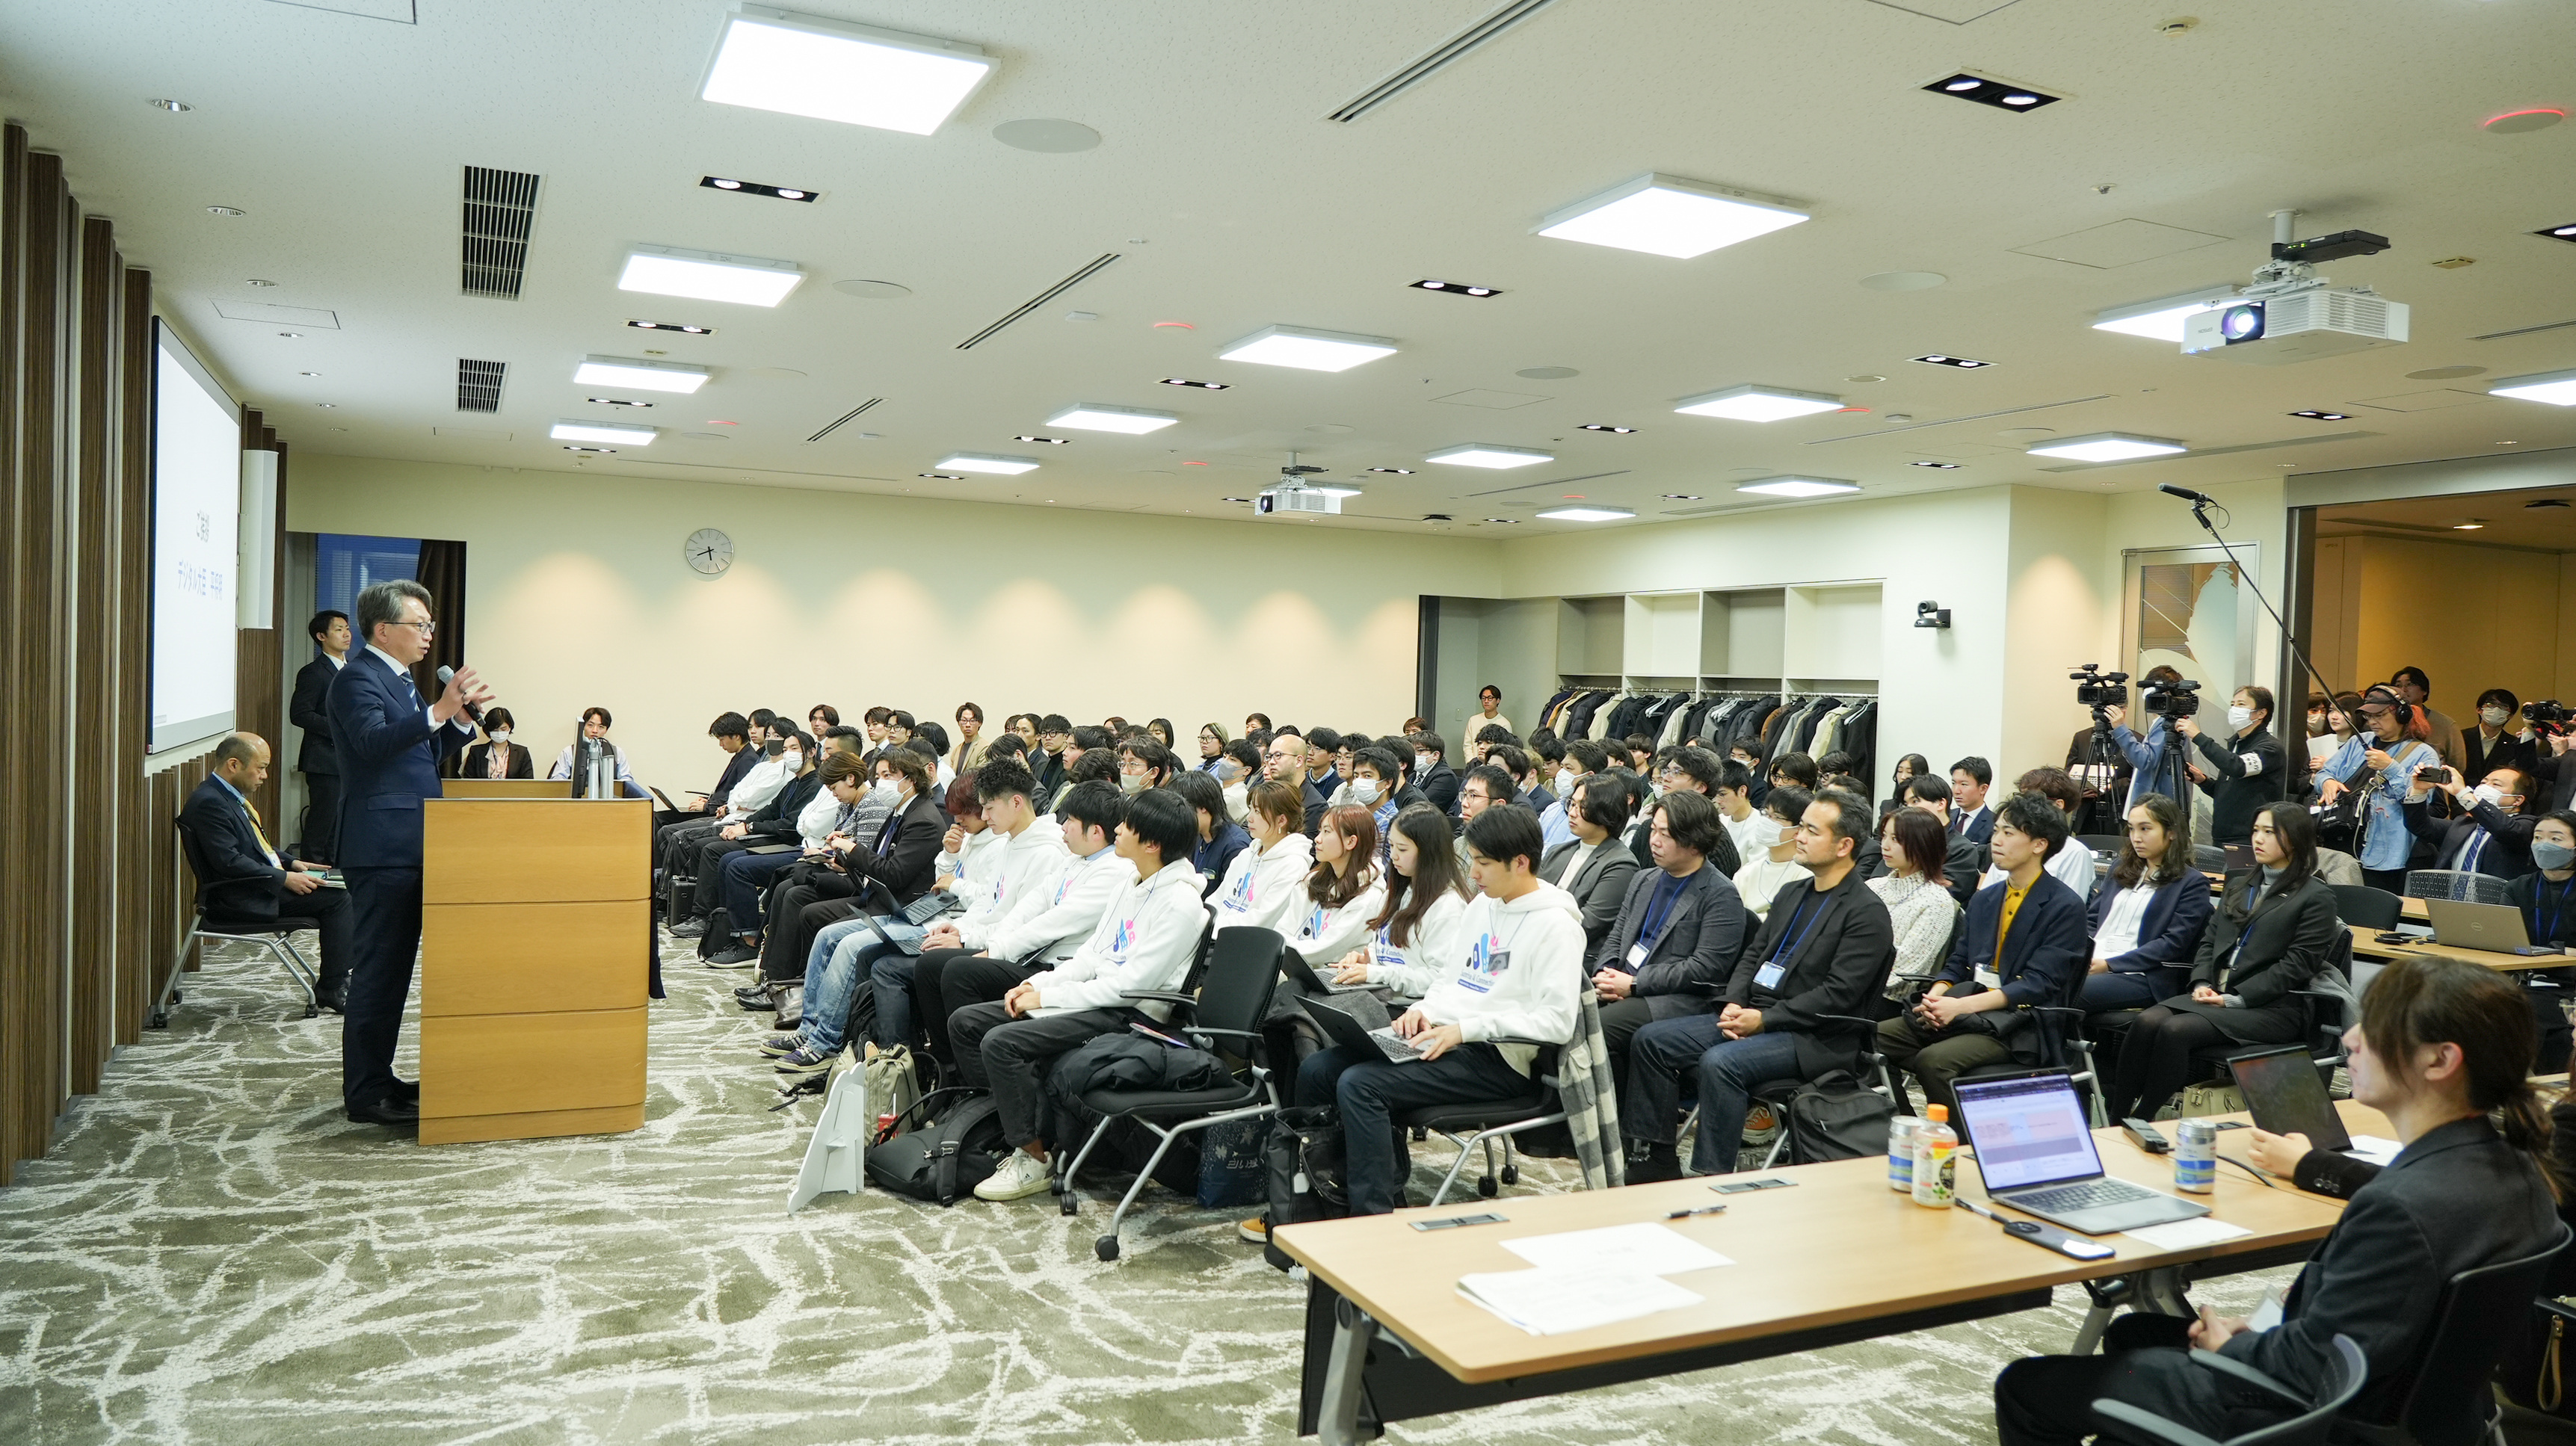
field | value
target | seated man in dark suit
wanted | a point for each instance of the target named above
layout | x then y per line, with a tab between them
1678	933
2487	831
2027	943
248	881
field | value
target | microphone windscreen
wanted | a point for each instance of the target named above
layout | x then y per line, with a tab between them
446	674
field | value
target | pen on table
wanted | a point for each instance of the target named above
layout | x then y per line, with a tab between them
1703	1210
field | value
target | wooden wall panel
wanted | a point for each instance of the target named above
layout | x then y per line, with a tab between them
92	580
129	622
25	1093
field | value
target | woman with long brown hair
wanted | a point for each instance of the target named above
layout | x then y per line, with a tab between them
1343	890
1409	944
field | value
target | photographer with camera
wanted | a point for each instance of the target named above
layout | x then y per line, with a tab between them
2244	772
2550	720
2378	765
2488	833
2158	757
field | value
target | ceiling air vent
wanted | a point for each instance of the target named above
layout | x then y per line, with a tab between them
500	207
478	385
1438	58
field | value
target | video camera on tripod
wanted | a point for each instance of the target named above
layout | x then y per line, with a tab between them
2179	699
2097	689
2548	717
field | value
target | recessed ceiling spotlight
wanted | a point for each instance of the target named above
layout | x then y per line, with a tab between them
2002	95
328	406
2162	319
1307	349
1938	360
830	70
940	476
1939	466
1050	441
225	211
708	275
1203	386
595	450
1797	486
1866	377
1604	427
574	429
1090	417
1681	497
2316	416
1667	216
292	335
172	106
1397	471
2471	525
651	376
2558	389
1454	288
615	402
1506	521
677	326
986	462
255	281
1585	514
1479	454
2558	233
308	374
1753	403
755	188
2108	447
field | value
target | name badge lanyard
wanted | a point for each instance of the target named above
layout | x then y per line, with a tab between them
2547	932
1788	947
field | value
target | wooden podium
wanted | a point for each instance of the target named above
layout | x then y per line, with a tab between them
536	938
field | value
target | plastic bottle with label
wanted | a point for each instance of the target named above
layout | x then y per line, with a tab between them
1936	1159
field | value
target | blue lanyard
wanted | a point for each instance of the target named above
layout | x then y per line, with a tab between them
2548	933
1788	947
1659	912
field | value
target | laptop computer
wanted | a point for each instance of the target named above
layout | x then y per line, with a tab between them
2285	1096
1349	1033
1294	965
2494	927
2035	1152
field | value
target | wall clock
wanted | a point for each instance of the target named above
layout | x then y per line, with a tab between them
709	551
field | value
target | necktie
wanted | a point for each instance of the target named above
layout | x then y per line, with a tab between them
2469	855
257	832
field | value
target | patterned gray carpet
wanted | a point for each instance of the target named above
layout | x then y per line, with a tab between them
211	1254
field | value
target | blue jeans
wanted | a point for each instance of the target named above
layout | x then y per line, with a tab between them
1371	1092
844	955
1728	1071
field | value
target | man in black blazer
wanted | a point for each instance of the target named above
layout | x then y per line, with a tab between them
1678	932
1432	773
1824	949
2488	832
390	741
1970	819
318	761
244	879
2027	945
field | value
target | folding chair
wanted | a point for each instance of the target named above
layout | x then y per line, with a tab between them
271	936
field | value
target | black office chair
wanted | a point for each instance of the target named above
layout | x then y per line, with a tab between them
2311	1427
1479	1123
1240	967
2453	884
2450	1403
270	935
2364	907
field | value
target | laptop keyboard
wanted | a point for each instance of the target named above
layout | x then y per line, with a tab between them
2086	1196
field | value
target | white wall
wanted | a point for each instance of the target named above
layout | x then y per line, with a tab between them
579	596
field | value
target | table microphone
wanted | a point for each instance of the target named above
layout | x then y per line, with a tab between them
446	677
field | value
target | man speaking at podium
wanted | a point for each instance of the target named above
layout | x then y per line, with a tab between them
391	742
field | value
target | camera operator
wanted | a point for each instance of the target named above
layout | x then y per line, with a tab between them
2490	834
2382	760
2244	772
2549	718
2495	743
2160	767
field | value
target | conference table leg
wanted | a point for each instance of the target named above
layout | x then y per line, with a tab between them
1338	1422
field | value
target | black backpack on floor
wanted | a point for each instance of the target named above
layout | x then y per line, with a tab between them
1305	1169
948	1143
1836	1117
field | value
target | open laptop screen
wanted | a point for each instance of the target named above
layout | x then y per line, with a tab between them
2027	1130
2286	1097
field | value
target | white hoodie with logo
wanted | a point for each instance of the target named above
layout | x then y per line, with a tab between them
1264	888
1515	972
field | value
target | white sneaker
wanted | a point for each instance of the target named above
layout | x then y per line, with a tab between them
1021	1176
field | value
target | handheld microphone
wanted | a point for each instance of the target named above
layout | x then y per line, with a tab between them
446	678
2201	499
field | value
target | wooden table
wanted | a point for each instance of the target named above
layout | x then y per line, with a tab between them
1817	1265
2366	945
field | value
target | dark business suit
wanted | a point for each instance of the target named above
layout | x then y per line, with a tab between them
1439	785
237	883
2457	1197
1976	827
2505	853
2289	938
389	755
317	760
2168	939
903	856
1832	964
1691	955
2042	957
1600	886
477	762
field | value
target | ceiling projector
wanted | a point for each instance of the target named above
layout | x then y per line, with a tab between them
1294	494
2289	314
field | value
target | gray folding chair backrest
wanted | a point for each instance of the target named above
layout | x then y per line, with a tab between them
2347	1370
2450	1403
2364	907
2453	884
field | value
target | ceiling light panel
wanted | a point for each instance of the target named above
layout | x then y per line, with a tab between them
574	429
1454	288
1754	403
682	327
1582	514
1307	350
2162	320
1479	454
2002	95
650	376
2108	447
1798	486
1091	417
758	188
829	70
708	275
986	462
605	451
2556	388
1667	216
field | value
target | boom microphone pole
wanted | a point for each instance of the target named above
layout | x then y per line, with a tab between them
2201	502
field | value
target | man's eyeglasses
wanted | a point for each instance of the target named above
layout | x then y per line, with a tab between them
427	628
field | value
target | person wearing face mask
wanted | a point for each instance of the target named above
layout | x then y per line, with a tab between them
1583	758
1237	769
2488	833
2241	772
1373	777
1431	771
497	756
694	855
1775	866
1142	764
2547	899
2495	742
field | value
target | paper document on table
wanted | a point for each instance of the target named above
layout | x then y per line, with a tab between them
2376	1150
2185	1234
1554	1302
1644	1248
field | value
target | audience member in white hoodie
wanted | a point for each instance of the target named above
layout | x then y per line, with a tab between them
1344	889
1416	929
1265	886
1515	972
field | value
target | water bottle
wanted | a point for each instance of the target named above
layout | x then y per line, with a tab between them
2195	1156
1900	1153
1936	1159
